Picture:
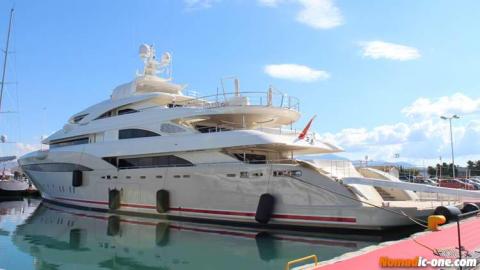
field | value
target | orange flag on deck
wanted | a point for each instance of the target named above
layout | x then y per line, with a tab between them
304	132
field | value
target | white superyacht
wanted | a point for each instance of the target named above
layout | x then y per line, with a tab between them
229	158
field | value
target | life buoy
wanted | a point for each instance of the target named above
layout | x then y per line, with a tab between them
265	208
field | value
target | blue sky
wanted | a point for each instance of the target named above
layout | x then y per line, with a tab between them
377	73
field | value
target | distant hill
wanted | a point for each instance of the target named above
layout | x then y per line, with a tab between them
359	162
384	163
326	156
8	164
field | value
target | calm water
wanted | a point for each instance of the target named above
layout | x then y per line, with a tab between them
35	235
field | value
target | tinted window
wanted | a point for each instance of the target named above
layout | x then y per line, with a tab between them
105	115
251	158
111	160
79	118
55	167
152	162
135	133
126	111
54	144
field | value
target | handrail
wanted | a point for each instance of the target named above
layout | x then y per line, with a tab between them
220	99
290	263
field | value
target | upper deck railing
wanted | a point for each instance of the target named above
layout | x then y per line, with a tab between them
267	99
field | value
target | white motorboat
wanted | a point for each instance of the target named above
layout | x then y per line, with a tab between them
229	158
11	185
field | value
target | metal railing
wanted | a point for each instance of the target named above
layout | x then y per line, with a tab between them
459	238
265	99
311	257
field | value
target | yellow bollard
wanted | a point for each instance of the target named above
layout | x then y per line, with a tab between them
434	221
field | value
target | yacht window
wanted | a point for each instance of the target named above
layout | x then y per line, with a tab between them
251	158
210	129
105	115
111	160
135	133
173	105
55	144
231	175
243	174
126	111
78	118
55	167
169	128
152	162
296	173
257	174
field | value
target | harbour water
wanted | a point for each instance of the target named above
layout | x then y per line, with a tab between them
38	235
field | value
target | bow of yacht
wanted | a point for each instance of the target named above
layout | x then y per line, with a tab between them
229	157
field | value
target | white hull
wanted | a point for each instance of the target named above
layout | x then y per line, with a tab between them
205	192
13	187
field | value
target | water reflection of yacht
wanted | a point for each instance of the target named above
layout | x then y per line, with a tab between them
151	149
71	238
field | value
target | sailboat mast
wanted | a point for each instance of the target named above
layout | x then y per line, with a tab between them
5	58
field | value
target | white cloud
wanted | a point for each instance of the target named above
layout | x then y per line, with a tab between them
424	139
447	105
199	4
320	14
296	72
24	148
379	49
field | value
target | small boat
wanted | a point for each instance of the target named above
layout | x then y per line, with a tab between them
10	184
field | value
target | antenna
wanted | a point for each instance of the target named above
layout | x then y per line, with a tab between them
5	52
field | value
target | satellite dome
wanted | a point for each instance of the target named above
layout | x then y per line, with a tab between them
144	50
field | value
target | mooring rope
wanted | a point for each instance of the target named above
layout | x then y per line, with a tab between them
401	213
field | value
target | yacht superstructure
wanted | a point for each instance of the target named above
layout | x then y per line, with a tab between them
151	149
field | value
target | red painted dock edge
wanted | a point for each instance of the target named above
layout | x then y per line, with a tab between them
407	248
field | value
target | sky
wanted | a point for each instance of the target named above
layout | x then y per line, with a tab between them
378	74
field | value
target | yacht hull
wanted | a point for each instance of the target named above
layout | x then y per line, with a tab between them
207	194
